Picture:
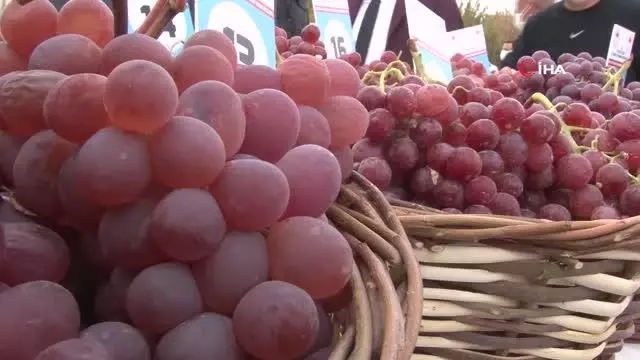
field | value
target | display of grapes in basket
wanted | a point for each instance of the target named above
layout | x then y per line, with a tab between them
555	146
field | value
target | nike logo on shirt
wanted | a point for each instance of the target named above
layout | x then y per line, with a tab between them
575	34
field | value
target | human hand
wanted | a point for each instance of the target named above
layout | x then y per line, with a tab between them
529	8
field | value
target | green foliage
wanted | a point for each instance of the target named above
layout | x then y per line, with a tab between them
498	28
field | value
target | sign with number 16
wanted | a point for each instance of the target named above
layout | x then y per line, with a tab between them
332	17
248	23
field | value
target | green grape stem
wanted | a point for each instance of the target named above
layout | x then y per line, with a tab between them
567	130
616	77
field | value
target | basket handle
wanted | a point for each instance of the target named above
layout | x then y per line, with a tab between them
161	14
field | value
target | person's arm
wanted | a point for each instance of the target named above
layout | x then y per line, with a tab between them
520	49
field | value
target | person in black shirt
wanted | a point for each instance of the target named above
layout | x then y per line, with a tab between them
291	15
575	26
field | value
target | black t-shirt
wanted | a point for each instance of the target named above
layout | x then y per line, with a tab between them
558	30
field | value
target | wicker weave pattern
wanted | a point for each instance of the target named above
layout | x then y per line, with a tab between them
497	290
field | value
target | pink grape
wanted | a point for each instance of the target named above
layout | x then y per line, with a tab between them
311	254
314	179
252	194
162	296
464	164
554	212
314	128
480	191
574	171
376	170
273	124
242	254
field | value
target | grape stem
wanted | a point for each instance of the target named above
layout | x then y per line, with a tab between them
616	77
565	129
161	14
418	64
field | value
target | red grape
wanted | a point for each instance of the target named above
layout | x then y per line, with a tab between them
34	316
381	123
187	72
344	78
376	170
612	179
401	101
504	204
509	183
314	179
242	254
492	163
124	235
216	104
473	111
74	108
605	212
480	191
206	335
426	133
215	40
584	200
187	224
252	194
449	194
438	155
432	100
162	296
276	320
32	252
508	114
314	127
250	78
513	149
24	25
305	79
403	154
574	171
311	254
554	212
348	120
455	134
67	54
464	164
483	134
120	340
75	348
539	157
537	129
113	167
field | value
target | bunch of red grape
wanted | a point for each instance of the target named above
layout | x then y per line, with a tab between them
468	148
171	169
308	42
462	65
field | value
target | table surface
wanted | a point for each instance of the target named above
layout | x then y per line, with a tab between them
629	352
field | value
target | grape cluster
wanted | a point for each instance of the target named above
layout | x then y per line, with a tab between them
308	42
195	190
462	65
495	144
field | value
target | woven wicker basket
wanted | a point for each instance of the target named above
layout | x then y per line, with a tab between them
386	310
505	288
